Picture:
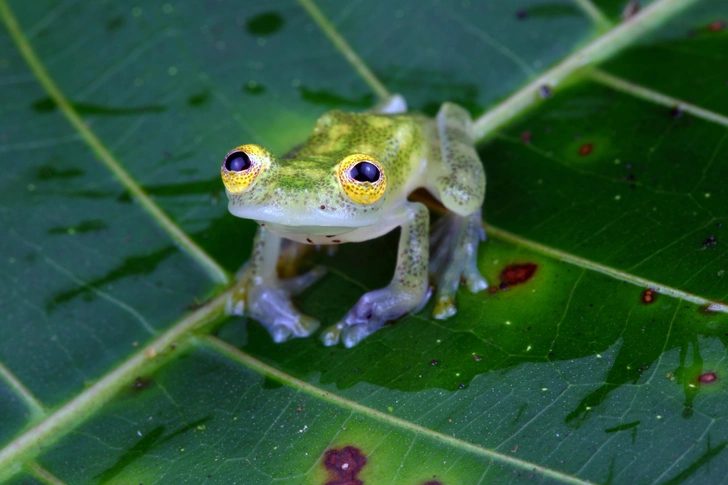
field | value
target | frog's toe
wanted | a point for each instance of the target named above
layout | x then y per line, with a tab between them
286	329
353	335
298	284
473	279
235	304
281	333
444	307
331	335
271	305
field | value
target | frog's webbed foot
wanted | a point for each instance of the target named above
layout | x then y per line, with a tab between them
371	312
261	295
455	242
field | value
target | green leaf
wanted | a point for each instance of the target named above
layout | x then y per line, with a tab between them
605	142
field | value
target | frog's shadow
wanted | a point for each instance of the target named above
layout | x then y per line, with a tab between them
417	352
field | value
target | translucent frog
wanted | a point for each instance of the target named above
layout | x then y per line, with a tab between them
350	182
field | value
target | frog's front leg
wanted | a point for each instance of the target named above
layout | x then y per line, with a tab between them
407	292
263	296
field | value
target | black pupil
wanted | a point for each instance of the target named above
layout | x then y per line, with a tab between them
237	162
365	172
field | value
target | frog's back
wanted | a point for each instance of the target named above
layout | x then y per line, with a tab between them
396	141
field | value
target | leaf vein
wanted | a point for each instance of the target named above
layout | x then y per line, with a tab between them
596	51
344	47
19	389
102	152
355	407
653	96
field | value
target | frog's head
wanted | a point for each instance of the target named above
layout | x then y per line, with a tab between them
316	194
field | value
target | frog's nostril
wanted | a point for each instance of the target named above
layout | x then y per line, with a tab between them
237	162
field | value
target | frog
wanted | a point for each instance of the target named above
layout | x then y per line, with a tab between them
352	181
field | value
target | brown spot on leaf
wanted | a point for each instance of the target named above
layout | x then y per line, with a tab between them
676	112
649	296
709	242
708	378
631	9
344	465
432	483
586	149
141	383
515	274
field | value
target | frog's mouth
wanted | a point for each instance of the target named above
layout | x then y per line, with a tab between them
284	229
312	222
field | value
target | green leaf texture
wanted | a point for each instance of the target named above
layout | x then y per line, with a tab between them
605	141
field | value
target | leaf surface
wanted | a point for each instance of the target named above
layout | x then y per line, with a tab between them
604	181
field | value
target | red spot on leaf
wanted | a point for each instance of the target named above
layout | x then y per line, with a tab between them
708	378
649	296
432	483
716	26
526	137
515	274
586	149
344	465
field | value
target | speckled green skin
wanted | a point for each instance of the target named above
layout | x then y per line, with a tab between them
300	198
303	190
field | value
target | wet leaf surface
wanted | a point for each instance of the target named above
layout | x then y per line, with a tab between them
597	355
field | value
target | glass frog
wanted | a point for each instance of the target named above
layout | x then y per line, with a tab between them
350	182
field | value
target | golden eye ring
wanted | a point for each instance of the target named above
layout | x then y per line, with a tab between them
362	178
242	166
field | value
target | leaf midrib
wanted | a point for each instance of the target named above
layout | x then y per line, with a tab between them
75	411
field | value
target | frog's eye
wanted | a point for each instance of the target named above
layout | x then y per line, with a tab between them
362	178
365	172
237	162
242	166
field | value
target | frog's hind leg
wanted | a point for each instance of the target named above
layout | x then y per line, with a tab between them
262	295
460	183
454	259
